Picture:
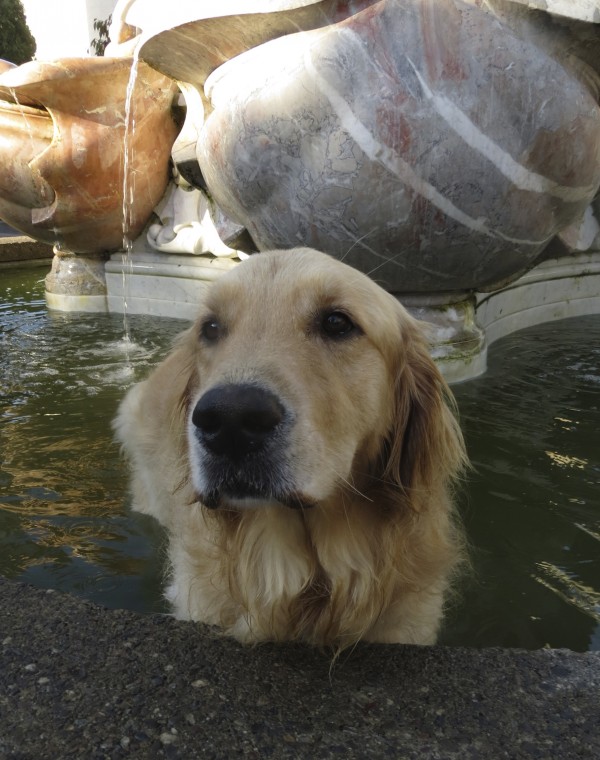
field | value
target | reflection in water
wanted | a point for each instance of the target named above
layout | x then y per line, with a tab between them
63	485
531	505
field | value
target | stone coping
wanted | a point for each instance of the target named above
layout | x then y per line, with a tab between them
18	251
80	681
169	285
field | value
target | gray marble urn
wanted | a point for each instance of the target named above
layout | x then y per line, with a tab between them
425	143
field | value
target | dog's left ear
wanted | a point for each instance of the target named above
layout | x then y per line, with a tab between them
424	449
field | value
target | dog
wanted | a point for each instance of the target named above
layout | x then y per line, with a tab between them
300	447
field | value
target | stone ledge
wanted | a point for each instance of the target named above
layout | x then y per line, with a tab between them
169	285
556	289
77	680
21	251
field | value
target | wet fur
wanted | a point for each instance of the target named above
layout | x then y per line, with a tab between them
374	445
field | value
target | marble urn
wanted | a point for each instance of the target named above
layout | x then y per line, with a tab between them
425	143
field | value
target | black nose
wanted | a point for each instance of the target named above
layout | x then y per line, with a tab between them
236	420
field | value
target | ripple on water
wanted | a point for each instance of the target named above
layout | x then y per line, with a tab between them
63	489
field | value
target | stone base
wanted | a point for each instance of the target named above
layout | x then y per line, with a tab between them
462	326
63	302
164	285
458	343
75	276
556	289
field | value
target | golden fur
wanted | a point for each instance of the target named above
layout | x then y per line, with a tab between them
368	448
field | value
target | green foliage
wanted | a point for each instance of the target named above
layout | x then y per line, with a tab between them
16	41
99	43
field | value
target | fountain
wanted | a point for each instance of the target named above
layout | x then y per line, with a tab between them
474	198
450	149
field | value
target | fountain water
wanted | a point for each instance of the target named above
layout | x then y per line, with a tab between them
456	159
128	191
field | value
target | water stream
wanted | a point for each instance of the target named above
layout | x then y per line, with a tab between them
128	191
531	505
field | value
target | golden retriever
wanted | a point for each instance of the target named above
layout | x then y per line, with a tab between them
299	446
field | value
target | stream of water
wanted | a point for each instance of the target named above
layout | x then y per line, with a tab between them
128	193
531	505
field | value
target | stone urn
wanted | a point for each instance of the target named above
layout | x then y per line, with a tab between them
438	145
422	142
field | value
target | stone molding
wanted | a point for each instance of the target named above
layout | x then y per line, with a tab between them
462	328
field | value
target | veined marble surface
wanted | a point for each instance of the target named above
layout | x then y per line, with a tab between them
63	155
424	143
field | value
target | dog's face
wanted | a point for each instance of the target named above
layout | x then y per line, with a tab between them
292	388
302	384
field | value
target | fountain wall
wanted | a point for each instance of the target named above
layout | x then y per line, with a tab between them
569	286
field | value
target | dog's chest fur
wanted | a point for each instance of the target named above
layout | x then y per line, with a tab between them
274	574
271	574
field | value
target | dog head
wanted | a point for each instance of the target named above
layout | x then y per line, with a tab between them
307	379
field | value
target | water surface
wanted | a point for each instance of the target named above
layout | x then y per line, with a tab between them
63	485
531	505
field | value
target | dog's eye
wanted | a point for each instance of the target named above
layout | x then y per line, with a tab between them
336	324
211	330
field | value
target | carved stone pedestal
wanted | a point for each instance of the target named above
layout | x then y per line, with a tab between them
76	283
458	342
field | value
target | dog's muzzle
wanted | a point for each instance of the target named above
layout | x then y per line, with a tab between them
243	435
234	421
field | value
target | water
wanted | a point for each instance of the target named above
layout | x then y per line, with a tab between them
63	515
128	191
128	171
531	505
532	508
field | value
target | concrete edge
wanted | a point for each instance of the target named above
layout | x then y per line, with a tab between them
168	285
21	251
77	680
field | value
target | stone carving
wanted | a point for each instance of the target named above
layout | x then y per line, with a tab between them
186	225
62	153
441	145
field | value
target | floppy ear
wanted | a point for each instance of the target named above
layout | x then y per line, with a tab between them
151	428
424	449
